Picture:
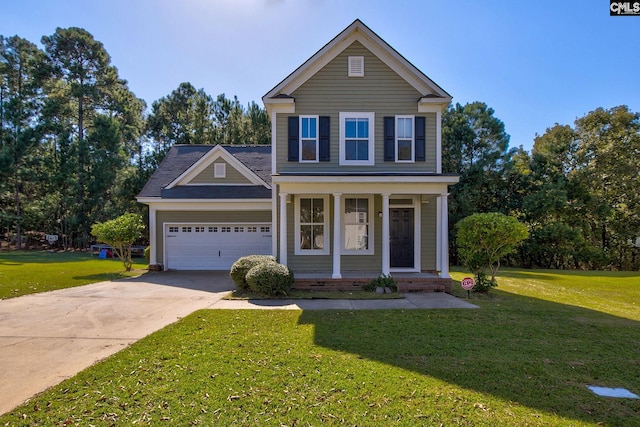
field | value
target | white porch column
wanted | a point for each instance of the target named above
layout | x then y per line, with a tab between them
274	220
385	234
153	243
444	236
337	235
282	257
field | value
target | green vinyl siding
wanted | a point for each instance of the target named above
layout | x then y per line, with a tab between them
325	262
380	91
232	217
428	240
428	220
232	176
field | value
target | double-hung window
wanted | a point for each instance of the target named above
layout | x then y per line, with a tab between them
308	138
357	139
405	140
311	222
357	226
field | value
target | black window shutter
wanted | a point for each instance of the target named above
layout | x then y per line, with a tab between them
389	139
420	139
324	132
292	137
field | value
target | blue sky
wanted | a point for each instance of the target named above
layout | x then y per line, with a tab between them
535	63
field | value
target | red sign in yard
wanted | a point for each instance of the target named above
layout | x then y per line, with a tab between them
467	283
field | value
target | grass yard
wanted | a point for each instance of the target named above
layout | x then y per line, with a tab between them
23	272
524	358
616	293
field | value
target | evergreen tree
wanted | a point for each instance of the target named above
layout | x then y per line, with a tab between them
21	97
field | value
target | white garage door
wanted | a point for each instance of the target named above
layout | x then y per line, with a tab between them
213	246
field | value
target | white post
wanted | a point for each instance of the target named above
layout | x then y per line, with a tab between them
274	220
153	243
438	233
337	235
282	258
385	234
444	238
439	142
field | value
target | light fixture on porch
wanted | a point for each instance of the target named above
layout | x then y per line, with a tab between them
380	214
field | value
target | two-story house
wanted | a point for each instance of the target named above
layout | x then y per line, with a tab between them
351	186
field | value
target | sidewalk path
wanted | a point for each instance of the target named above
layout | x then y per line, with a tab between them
48	337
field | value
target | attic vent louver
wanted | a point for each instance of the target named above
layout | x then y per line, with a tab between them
356	66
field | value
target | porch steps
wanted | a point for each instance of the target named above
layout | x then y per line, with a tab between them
418	284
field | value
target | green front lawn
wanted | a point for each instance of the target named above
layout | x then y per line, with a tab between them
524	358
23	273
612	292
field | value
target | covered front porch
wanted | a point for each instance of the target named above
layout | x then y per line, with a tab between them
355	280
344	231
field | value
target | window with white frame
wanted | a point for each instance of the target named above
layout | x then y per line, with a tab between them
308	138
405	139
311	222
357	224
357	138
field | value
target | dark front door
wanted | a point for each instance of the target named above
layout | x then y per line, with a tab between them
401	235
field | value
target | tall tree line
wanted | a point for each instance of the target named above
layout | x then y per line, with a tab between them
76	145
577	190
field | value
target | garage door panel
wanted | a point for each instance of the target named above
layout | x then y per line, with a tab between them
214	246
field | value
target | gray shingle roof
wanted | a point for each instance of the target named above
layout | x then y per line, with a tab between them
181	157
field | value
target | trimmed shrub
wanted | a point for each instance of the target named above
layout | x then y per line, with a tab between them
270	278
241	267
147	253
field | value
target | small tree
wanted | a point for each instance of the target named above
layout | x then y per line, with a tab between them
483	240
120	233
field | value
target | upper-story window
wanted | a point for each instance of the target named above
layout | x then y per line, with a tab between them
404	139
357	138
308	138
404	142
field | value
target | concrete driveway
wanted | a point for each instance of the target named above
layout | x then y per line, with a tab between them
46	338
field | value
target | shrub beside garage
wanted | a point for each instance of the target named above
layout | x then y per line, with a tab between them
241	267
262	274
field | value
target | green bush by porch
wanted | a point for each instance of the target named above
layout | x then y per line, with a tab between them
241	267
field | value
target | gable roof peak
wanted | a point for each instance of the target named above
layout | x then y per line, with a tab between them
356	31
